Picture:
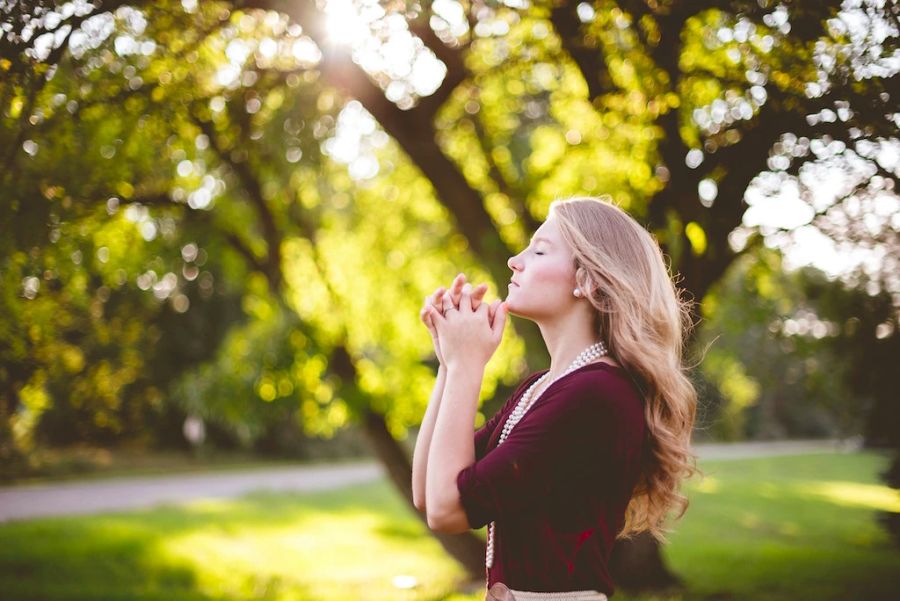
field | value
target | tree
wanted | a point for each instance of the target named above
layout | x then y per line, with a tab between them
788	352
682	105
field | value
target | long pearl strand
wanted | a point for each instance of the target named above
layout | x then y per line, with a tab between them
591	353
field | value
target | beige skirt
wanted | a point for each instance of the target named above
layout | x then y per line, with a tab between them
567	596
500	592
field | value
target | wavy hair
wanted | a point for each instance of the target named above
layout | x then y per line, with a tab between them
643	320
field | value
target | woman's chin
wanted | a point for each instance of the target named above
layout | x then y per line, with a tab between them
511	306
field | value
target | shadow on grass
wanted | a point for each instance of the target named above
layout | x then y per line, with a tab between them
119	557
784	528
346	544
74	560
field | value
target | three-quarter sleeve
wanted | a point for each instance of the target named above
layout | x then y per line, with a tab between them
577	424
483	434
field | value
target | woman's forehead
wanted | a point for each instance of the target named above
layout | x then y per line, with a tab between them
548	232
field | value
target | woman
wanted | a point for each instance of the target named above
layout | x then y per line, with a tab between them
590	450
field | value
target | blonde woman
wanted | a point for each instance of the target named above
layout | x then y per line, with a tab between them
592	449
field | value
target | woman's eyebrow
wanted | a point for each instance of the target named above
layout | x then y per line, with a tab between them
542	239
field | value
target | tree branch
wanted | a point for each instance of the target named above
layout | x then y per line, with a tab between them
412	129
515	194
588	56
250	184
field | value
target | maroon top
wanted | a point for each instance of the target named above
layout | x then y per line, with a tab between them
558	486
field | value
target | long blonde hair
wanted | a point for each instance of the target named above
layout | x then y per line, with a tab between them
643	319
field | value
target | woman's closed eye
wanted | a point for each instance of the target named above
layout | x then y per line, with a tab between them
537	252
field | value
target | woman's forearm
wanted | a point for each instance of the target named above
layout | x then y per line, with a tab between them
423	440
452	444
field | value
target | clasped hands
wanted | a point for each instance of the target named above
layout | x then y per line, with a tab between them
465	330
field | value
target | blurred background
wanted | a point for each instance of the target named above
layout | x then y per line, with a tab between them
220	220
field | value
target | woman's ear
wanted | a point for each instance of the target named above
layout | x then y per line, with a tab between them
583	281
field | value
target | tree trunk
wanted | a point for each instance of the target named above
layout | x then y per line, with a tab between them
636	565
468	549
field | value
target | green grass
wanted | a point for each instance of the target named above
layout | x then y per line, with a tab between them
783	528
791	527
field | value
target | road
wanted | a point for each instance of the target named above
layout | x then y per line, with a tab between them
28	501
112	494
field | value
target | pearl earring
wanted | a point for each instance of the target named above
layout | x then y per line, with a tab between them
577	293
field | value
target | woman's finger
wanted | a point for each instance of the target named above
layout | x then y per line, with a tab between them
478	295
456	288
447	305
425	317
435	299
436	318
499	322
465	298
492	310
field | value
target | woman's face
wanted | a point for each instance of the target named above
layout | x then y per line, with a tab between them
543	277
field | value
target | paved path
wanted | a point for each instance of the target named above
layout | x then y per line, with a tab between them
97	496
113	494
766	448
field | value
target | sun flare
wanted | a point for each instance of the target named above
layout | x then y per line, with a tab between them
344	22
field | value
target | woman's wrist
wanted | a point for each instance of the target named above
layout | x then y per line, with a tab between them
464	368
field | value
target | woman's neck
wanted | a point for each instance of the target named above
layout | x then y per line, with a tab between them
565	342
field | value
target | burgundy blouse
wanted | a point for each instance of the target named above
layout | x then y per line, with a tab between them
558	486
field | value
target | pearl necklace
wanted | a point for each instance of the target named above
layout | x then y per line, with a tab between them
591	353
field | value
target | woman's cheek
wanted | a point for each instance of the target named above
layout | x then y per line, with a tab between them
554	276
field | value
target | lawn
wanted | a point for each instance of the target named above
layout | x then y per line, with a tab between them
785	528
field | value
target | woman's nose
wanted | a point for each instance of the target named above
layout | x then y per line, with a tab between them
512	263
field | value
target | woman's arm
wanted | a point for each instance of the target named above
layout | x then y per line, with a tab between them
423	440
452	448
